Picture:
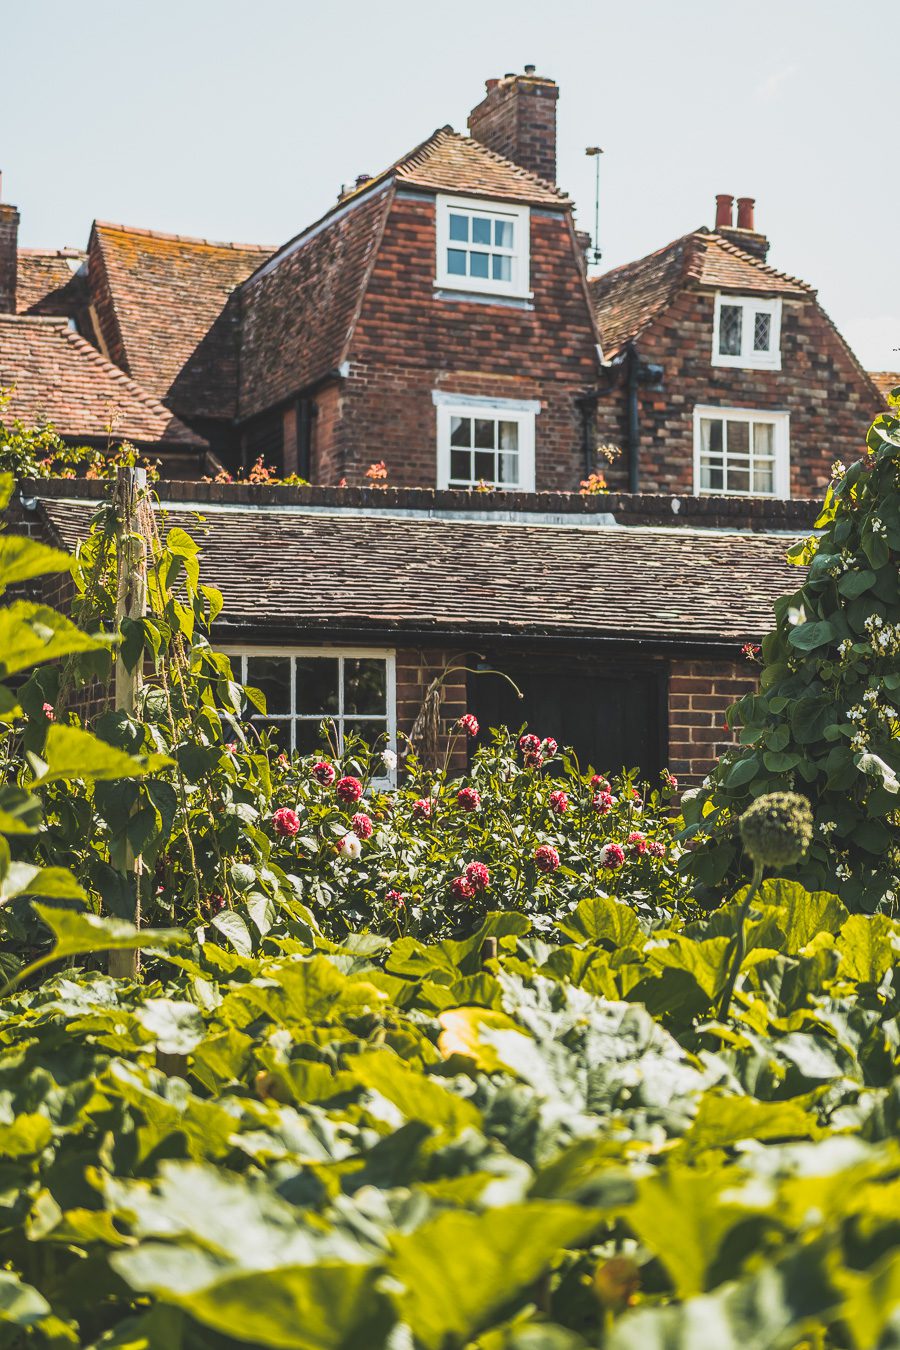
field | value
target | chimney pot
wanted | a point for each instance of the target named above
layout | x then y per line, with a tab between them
745	207
362	178
510	75
491	84
724	210
529	70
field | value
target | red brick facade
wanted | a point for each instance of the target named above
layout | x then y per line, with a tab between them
410	341
517	119
700	692
830	399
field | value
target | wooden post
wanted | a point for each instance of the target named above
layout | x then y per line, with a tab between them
131	603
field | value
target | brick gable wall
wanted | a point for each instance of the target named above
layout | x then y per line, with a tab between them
830	401
409	342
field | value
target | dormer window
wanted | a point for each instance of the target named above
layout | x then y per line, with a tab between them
482	247
747	333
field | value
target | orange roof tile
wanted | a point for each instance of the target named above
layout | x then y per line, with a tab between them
885	381
47	282
168	295
629	297
58	377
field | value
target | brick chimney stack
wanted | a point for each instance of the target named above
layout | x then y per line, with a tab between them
517	118
744	234
9	257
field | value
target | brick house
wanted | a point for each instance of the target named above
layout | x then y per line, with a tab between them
440	318
620	620
724	375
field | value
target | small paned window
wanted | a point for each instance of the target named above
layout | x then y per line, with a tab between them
484	445
352	691
482	246
747	333
741	453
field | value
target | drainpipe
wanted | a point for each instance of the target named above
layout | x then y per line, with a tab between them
633	419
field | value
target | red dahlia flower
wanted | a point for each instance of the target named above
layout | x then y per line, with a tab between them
612	856
559	802
638	841
361	825
349	790
323	772
599	783
422	808
396	899
469	798
286	822
546	858
461	889
469	724
529	744
656	848
602	802
549	747
478	875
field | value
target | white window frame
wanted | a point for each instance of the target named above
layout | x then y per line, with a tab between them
519	285
748	358
520	411
239	655
781	421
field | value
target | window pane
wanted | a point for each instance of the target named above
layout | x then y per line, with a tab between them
481	230
459	227
711	477
308	737
509	435
501	267
503	233
509	470
456	262
460	431
738	438
478	264
365	685
738	478
484	433
730	319
711	436
762	332
484	466
460	466
317	684
271	674
278	734
763	477
763	438
372	731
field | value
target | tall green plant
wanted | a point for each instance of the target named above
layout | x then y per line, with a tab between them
825	720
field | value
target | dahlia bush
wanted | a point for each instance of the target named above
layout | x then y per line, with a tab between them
524	830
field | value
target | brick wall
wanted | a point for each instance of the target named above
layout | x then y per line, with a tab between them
700	692
416	668
517	119
830	400
9	258
408	342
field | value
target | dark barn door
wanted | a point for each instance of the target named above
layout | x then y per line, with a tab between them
614	717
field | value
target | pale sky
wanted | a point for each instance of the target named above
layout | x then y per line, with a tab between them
240	119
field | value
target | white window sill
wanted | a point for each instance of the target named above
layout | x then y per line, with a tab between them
464	290
770	362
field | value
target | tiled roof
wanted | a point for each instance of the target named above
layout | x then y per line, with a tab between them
449	162
628	298
47	281
291	571
298	311
168	295
60	378
297	315
885	381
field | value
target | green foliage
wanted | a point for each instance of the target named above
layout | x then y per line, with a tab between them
825	721
40	452
383	1144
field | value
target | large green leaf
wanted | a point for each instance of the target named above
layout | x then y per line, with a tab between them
22	558
78	934
32	633
70	752
458	1271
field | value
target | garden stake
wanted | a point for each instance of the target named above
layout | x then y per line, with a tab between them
131	603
